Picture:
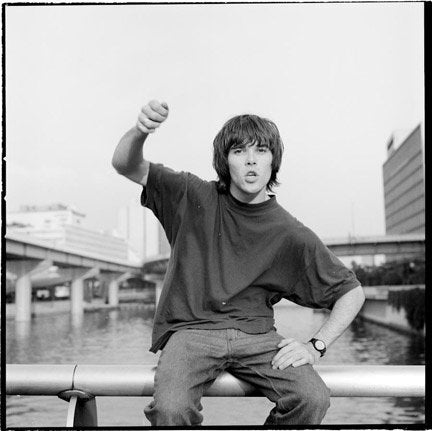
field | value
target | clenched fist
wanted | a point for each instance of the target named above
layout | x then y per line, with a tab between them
152	116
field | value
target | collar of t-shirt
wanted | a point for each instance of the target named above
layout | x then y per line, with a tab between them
247	208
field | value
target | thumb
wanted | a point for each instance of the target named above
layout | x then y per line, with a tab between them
165	105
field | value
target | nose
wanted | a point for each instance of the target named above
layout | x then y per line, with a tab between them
250	157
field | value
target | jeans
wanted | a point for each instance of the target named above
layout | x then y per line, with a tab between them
193	358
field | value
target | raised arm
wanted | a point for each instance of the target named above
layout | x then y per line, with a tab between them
128	159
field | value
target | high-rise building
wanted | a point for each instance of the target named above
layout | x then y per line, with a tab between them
404	187
142	231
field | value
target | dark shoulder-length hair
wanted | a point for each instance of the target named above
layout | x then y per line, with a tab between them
242	130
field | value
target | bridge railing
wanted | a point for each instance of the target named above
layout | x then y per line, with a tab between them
80	384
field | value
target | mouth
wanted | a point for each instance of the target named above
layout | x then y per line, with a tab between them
251	176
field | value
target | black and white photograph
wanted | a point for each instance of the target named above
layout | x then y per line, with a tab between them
213	215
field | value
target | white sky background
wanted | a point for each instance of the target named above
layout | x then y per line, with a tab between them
337	79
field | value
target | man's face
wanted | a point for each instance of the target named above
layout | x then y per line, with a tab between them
250	169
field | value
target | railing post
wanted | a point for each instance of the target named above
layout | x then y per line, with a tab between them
82	410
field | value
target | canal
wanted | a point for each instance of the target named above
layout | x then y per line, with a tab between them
122	336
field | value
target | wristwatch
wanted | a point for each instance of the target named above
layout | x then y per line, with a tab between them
319	345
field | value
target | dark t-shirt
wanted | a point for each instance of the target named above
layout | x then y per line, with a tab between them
231	261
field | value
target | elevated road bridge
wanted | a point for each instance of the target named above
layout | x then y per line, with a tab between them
27	259
390	245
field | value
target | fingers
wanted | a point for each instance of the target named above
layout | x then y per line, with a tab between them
148	122
152	116
141	125
292	353
286	345
156	111
302	361
159	108
286	341
292	358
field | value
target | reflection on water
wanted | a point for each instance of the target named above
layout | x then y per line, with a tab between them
385	346
122	336
110	336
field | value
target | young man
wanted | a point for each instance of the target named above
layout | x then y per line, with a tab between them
234	254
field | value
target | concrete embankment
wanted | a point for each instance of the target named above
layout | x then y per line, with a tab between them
378	309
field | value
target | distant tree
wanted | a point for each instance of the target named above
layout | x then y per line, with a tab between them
408	271
392	277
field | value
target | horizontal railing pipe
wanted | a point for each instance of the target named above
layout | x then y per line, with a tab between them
137	380
38	379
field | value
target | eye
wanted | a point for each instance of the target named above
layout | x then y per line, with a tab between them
237	150
263	149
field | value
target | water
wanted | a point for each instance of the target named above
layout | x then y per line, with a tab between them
122	337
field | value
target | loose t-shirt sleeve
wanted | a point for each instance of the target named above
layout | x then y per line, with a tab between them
323	278
163	195
167	195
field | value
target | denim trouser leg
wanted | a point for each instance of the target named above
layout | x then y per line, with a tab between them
300	395
192	359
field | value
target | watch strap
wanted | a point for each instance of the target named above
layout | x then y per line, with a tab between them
321	351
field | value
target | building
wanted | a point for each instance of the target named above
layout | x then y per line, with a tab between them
62	226
404	187
142	231
45	216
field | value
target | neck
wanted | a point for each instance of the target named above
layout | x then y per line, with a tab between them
249	198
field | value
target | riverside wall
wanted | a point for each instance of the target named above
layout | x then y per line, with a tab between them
377	308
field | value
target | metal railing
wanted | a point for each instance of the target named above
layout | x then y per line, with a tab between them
80	384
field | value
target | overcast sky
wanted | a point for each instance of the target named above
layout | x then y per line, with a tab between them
337	79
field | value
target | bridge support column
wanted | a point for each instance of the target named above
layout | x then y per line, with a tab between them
24	270
113	289
157	279
114	280
77	288
77	296
23	294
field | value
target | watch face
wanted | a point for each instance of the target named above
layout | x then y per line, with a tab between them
319	345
